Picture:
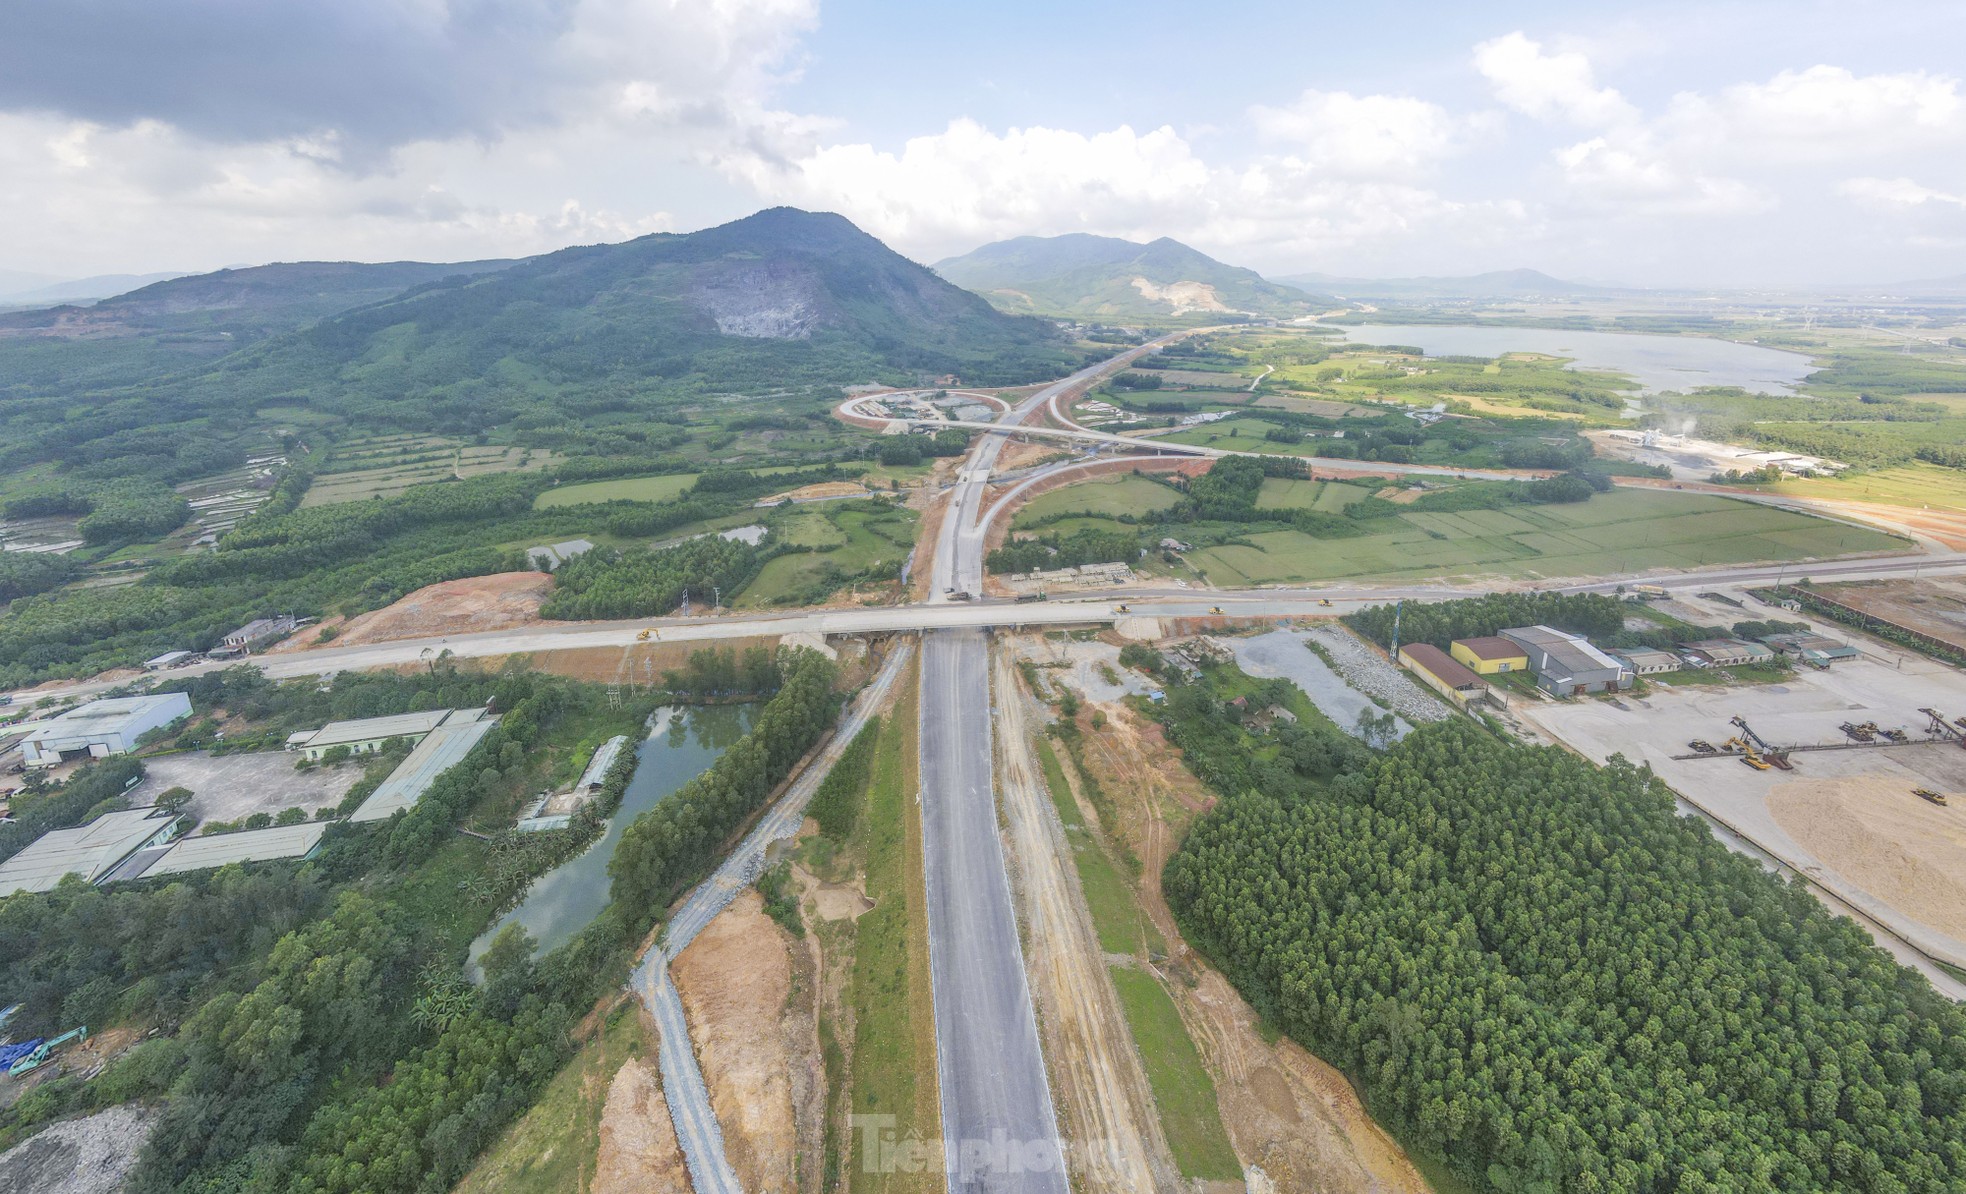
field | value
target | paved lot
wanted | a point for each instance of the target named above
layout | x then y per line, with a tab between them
1807	709
228	787
998	1125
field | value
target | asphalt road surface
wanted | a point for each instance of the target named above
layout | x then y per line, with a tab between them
999	1130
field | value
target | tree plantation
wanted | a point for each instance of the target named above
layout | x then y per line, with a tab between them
1536	970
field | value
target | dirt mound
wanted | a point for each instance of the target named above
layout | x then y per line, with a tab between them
1875	833
498	602
638	1152
825	489
92	1155
735	980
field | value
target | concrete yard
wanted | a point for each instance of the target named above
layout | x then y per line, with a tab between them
229	787
1847	819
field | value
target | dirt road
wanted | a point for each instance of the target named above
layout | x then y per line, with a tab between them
1106	1109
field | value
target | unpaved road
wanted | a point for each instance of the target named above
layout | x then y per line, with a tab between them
1105	1105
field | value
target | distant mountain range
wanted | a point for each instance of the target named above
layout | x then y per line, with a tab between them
1104	278
1508	283
28	290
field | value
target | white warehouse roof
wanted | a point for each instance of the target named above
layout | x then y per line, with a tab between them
89	851
251	845
371	729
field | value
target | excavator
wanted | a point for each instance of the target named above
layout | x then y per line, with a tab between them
1122	609
38	1056
1214	609
1761	748
1937	798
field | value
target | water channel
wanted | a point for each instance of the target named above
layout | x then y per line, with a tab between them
683	741
1657	363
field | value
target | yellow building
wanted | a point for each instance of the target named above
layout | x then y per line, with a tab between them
1490	655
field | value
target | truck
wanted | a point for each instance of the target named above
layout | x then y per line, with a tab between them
1027	598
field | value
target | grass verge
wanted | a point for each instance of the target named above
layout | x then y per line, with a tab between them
1182	1089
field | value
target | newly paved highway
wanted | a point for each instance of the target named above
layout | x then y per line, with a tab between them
998	1126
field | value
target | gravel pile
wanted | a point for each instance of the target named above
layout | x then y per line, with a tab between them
1370	672
92	1155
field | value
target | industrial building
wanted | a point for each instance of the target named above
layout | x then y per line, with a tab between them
1645	661
1443	673
1567	664
169	659
1811	648
442	748
224	849
366	735
101	728
256	633
92	851
1489	655
1729	652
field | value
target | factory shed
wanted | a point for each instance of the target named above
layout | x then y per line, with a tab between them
91	851
1567	664
441	749
101	728
1812	648
1443	673
1644	661
223	849
366	735
597	767
1489	655
1730	652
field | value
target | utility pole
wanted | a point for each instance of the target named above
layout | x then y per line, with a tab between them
1397	606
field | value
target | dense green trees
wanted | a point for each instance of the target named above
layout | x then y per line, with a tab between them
1535	969
1592	615
25	573
1065	551
638	582
673	841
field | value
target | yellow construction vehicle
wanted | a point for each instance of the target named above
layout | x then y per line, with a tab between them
1937	798
1326	601
643	636
1733	746
1122	609
1214	609
1754	760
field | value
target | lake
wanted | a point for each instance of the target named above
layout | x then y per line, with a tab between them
684	742
1656	363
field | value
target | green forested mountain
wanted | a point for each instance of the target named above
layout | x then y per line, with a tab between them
780	299
1102	277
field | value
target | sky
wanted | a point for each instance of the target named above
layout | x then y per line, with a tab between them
1709	144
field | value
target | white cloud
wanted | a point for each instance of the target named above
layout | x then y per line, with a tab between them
1630	177
1897	192
1548	86
1822	114
1369	136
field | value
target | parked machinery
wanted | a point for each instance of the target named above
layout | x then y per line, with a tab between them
1857	733
39	1055
1702	746
1937	798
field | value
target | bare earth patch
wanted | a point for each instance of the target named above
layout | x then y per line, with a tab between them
824	489
498	602
638	1152
1874	832
736	981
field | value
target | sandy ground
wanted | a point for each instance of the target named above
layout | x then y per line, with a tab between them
92	1155
228	787
645	661
1909	853
736	981
1098	1083
498	602
824	489
1936	607
638	1152
1287	1112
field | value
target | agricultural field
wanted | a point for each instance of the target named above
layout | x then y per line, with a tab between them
1103	497
1624	531
619	489
848	542
385	466
1917	486
1280	493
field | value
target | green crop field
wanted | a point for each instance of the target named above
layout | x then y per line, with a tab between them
848	543
620	489
1100	496
1280	493
1915	485
411	461
1626	530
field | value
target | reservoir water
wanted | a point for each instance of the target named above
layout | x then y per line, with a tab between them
1657	363
683	742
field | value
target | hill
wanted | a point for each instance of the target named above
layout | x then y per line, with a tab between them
32	292
240	303
779	300
1508	283
1101	277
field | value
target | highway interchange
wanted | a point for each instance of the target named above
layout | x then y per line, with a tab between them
999	1125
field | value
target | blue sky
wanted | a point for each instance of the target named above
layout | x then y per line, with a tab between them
1665	144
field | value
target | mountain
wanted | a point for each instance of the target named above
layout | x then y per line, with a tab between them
1102	277
240	304
1507	283
779	300
76	290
